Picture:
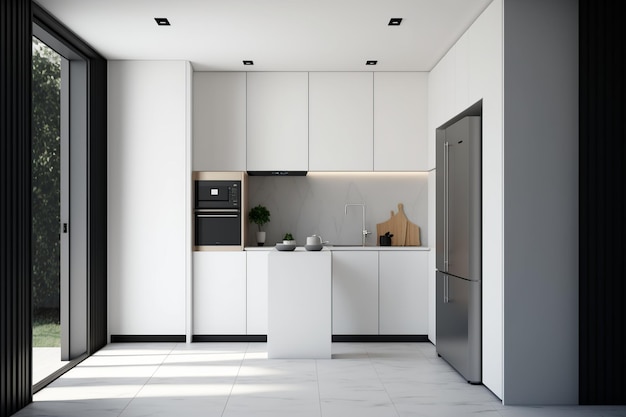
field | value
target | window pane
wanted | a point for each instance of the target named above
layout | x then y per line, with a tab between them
46	174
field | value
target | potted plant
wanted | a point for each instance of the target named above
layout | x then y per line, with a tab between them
259	215
288	239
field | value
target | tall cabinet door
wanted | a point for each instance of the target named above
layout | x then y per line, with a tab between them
277	121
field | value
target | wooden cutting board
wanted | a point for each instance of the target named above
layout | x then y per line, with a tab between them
404	232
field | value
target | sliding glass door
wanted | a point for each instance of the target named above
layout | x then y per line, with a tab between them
48	202
59	207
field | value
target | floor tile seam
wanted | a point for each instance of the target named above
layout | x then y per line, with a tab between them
317	385
147	381
234	383
395	409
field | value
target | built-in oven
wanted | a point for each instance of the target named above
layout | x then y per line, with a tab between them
214	227
217	213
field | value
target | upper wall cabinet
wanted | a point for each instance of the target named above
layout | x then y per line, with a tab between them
277	118
219	121
340	121
400	121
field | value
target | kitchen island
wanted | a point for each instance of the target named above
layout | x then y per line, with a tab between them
299	304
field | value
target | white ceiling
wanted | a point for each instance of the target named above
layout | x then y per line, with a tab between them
278	35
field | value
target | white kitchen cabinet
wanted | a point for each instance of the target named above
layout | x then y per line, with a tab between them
257	273
148	209
400	121
355	292
277	121
219	293
340	121
219	121
403	297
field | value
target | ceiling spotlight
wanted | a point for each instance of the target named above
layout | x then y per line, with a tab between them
371	62
395	21
162	21
248	63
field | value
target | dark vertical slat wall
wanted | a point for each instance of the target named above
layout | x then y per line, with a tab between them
15	206
97	204
602	308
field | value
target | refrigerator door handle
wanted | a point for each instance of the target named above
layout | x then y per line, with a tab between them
446	155
445	289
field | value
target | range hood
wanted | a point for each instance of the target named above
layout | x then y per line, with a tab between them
277	173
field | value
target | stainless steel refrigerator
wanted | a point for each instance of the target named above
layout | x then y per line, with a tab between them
459	245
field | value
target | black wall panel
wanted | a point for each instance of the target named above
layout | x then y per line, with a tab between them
15	206
16	17
602	308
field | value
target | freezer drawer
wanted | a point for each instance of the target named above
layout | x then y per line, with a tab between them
458	325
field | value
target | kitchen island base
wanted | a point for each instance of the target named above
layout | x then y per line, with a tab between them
299	305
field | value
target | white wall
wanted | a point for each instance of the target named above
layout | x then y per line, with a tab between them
469	72
148	196
315	204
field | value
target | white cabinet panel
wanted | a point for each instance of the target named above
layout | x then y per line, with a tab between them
257	267
219	293
277	121
219	121
403	292
340	121
355	292
148	196
400	121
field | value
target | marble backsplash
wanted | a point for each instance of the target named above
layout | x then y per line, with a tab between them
315	204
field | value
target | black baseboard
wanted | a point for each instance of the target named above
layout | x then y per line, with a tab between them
229	338
132	338
356	338
375	338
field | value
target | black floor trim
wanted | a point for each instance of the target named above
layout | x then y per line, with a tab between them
229	338
392	338
131	338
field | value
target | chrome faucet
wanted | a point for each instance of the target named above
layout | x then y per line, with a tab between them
365	231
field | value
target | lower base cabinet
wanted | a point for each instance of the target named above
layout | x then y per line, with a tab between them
355	292
380	292
373	293
219	293
403	296
256	292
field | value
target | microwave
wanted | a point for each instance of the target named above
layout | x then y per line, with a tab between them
216	194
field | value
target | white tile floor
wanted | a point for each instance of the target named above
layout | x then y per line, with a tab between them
237	379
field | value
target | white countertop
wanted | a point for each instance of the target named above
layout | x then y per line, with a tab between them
349	248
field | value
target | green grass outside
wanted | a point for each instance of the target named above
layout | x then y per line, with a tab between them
46	329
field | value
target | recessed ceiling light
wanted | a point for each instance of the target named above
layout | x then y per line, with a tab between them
248	62
395	21
371	62
162	21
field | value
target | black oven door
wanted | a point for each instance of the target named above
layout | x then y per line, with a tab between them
217	227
